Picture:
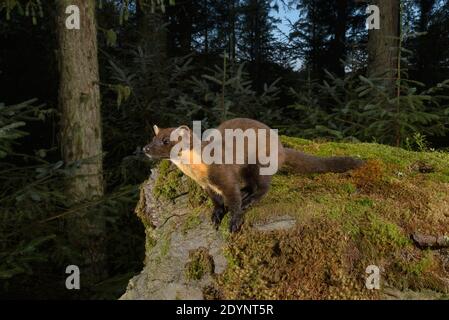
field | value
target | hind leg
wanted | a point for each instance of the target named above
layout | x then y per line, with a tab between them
262	186
249	176
246	192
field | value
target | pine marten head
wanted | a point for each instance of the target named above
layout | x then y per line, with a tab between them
162	143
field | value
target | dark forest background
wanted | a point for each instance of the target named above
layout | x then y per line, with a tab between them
70	157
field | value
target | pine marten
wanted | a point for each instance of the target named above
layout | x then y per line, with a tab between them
235	187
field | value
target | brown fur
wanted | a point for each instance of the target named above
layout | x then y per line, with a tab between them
236	186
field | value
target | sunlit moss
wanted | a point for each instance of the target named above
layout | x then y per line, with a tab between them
192	220
167	184
171	182
345	222
200	264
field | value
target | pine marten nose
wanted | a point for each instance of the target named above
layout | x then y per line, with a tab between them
146	149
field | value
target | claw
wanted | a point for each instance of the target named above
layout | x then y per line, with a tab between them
235	224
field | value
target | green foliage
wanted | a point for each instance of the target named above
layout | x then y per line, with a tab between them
219	93
416	142
111	37
361	108
34	247
29	188
28	8
153	5
223	93
141	88
152	87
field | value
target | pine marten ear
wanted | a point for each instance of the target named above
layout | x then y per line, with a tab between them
182	131
156	129
184	127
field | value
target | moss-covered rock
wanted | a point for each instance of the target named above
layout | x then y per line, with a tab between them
200	264
311	237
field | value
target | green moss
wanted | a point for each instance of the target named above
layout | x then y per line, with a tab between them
200	263
224	227
348	221
399	158
365	202
345	223
193	220
150	240
167	184
349	188
197	196
418	268
171	182
140	210
295	264
383	233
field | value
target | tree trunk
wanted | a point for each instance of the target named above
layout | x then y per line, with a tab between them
232	35
185	22
81	129
152	32
143	27
154	42
206	28
424	55
256	50
339	44
314	56
383	44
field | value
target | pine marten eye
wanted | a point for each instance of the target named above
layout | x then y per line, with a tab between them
166	141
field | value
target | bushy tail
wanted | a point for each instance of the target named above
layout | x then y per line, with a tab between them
304	163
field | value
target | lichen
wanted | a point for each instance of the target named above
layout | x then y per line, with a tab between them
197	196
165	244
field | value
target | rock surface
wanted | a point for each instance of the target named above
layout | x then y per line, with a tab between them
164	275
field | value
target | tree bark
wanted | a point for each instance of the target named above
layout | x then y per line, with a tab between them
232	35
383	43
186	30
206	28
424	55
152	32
339	45
81	128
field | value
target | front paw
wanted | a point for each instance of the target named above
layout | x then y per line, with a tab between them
236	223
217	216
